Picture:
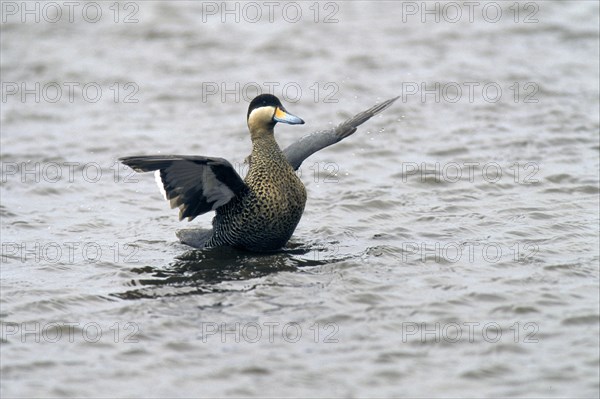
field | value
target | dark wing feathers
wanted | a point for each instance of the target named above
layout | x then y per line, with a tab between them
297	152
195	184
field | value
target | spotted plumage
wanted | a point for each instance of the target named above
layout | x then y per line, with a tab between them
261	212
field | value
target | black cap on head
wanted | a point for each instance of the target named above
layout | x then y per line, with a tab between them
263	100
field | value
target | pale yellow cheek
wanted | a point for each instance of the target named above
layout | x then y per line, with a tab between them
261	116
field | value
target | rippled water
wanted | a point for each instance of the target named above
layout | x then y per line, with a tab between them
448	249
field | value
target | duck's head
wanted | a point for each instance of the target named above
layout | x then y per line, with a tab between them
265	111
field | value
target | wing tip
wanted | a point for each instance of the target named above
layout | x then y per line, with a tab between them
382	106
349	126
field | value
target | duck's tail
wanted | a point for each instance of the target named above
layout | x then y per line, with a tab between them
196	238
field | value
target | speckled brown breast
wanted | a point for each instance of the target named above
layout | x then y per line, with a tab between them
264	217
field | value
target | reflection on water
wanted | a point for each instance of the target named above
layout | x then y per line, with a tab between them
198	272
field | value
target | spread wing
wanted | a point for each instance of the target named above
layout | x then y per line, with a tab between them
194	184
297	152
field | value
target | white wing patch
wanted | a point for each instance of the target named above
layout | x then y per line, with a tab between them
160	184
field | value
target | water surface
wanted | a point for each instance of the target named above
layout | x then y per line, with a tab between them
448	249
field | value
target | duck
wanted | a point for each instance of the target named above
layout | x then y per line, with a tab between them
260	212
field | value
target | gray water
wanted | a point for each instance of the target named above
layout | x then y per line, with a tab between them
448	249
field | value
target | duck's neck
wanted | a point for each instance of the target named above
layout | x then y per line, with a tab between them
265	149
264	141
